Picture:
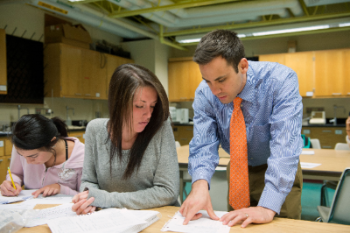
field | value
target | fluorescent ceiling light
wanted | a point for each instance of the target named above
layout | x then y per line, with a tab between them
344	24
184	41
290	30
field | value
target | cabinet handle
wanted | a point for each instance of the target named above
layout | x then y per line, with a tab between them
327	131
1	160
88	94
77	94
336	93
348	93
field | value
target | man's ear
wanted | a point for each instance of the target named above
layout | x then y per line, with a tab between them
243	66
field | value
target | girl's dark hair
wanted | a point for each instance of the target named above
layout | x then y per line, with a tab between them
125	81
34	131
222	43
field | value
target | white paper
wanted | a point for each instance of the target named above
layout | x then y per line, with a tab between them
111	220
307	152
309	165
44	215
203	225
23	195
20	206
50	200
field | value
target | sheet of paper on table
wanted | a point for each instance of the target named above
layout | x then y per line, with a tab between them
203	225
23	195
307	152
309	165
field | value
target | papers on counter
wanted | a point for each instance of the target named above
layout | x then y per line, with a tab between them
203	225
24	195
307	152
309	165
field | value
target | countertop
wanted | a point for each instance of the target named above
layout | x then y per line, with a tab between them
71	129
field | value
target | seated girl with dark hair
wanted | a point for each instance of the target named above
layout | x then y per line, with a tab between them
44	158
130	158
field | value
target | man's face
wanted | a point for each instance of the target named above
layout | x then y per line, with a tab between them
223	80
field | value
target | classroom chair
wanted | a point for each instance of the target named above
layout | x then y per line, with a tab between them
341	146
339	211
315	143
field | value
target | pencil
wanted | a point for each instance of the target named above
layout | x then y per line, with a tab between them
13	183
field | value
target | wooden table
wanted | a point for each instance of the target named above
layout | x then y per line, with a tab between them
333	162
277	225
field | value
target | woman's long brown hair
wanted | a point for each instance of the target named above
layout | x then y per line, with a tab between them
125	81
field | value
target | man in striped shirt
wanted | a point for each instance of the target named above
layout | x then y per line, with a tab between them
272	110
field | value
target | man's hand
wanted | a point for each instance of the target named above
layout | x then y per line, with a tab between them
47	190
199	199
82	204
348	126
248	215
8	190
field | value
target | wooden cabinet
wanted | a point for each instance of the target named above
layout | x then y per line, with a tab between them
5	156
329	72
78	134
183	79
320	73
75	72
328	136
3	64
183	134
279	58
303	64
112	62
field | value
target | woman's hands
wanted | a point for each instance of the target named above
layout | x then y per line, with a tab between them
82	204
47	190
8	190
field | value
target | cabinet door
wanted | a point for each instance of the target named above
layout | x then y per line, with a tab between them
3	168
346	68
184	77
303	64
329	73
70	72
112	63
3	65
279	58
93	74
79	135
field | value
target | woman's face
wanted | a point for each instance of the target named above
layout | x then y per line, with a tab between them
35	156
145	100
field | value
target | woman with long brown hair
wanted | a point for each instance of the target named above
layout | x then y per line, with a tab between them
130	158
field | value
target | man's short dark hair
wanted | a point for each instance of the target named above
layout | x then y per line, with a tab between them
222	43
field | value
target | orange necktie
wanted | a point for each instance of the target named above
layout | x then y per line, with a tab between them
239	181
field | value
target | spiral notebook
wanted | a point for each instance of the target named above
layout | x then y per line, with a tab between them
108	220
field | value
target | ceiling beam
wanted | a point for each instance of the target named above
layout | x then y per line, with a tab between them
329	30
258	24
168	7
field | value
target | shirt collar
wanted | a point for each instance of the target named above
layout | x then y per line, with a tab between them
248	92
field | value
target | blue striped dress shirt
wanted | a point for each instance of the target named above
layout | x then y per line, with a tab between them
272	111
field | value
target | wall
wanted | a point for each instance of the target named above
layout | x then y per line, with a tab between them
28	22
324	41
151	54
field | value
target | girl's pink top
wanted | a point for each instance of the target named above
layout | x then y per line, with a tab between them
36	176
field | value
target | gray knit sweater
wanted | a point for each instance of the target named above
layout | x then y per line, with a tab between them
155	184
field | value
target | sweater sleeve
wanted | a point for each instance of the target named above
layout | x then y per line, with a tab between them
165	189
15	167
89	177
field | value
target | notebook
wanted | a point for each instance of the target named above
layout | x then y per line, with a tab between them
108	220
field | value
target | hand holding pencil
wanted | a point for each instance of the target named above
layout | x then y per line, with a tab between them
10	188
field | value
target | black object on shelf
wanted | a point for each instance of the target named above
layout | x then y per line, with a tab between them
25	71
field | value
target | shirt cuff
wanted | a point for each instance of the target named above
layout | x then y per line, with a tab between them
66	190
98	202
272	200
201	174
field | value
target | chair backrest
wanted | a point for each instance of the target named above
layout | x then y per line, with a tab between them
177	144
341	146
315	143
340	208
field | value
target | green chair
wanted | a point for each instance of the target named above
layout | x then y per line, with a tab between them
339	211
